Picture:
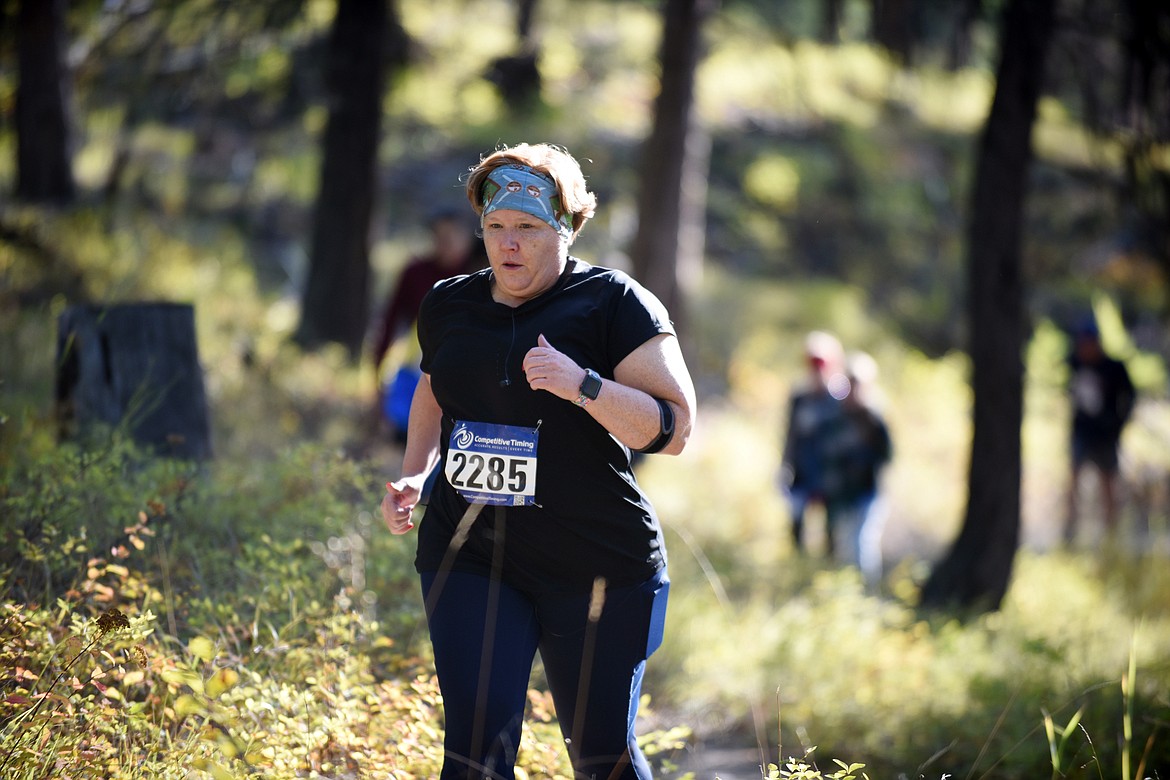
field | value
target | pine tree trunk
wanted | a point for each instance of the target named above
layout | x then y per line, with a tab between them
977	570
667	249
44	172
137	366
892	25
335	302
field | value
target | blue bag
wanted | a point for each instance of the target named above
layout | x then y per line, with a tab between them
398	394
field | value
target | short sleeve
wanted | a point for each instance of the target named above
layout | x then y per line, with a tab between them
636	316
426	330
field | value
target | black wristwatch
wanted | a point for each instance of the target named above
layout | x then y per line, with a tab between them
590	387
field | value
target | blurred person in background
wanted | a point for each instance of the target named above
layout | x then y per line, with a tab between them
1103	398
540	375
454	250
857	450
813	409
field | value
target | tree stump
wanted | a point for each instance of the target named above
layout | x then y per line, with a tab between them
137	366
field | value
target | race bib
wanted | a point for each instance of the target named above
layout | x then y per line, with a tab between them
493	464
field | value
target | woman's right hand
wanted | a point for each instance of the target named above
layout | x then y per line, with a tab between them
398	505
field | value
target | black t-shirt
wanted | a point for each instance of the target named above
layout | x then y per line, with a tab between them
1103	399
591	518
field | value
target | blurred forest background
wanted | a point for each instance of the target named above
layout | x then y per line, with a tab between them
769	167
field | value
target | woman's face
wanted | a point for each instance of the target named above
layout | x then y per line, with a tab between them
525	253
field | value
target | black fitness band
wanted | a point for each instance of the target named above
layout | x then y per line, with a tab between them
667	432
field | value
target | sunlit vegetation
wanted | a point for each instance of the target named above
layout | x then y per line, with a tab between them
281	627
272	628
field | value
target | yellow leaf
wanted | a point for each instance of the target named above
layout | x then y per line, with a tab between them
256	757
202	648
134	677
188	705
182	677
219	772
227	746
172	676
221	682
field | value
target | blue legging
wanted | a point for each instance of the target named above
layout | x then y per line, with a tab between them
485	636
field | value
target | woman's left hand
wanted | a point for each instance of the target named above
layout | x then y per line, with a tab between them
547	369
628	404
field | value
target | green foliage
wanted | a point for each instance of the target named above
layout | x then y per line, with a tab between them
127	701
57	679
74	509
861	672
267	655
797	769
196	108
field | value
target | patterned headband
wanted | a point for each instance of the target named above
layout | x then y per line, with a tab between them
520	188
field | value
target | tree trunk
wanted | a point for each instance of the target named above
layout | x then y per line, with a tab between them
831	22
959	48
44	172
668	247
134	365
1145	112
517	76
977	570
892	28
335	301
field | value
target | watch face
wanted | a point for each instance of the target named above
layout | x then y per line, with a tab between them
591	384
